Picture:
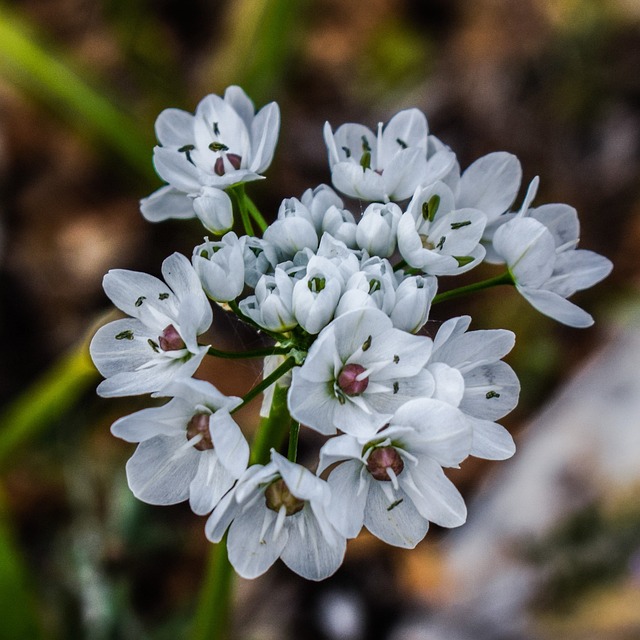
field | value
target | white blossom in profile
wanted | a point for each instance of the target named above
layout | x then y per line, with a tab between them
271	307
393	482
190	448
278	511
220	267
159	342
225	143
357	373
540	251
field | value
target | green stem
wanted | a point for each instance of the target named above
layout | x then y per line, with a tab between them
288	364
273	429
294	432
213	611
253	353
505	278
239	198
254	212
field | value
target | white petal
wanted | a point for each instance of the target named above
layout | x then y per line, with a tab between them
398	524
250	553
264	135
407	128
157	474
557	307
346	509
436	498
174	167
174	128
167	202
312	556
214	209
209	484
491	441
404	173
490	184
229	443
491	391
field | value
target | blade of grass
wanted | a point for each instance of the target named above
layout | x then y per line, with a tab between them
39	71
55	393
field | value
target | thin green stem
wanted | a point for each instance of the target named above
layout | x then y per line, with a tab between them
253	353
239	199
504	278
294	432
288	364
213	611
272	430
254	212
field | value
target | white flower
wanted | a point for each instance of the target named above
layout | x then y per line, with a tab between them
470	375
318	201
272	307
340	224
414	296
316	294
373	286
393	483
547	268
278	511
260	258
437	237
160	342
189	448
382	167
293	230
220	267
223	144
376	231
357	373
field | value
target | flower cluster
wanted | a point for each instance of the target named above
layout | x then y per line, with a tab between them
343	300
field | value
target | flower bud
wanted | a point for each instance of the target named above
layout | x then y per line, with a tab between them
376	231
220	267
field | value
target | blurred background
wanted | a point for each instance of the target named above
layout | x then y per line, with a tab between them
552	545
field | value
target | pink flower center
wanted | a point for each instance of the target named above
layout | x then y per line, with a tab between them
234	159
348	380
278	495
384	458
170	340
199	425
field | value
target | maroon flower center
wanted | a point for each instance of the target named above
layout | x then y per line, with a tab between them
199	425
348	382
278	495
170	340
384	458
234	159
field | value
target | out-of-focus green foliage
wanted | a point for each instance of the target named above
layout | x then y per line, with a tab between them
18	614
42	73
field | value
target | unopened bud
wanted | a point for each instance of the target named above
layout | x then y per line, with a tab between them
384	458
199	425
170	340
348	382
278	495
